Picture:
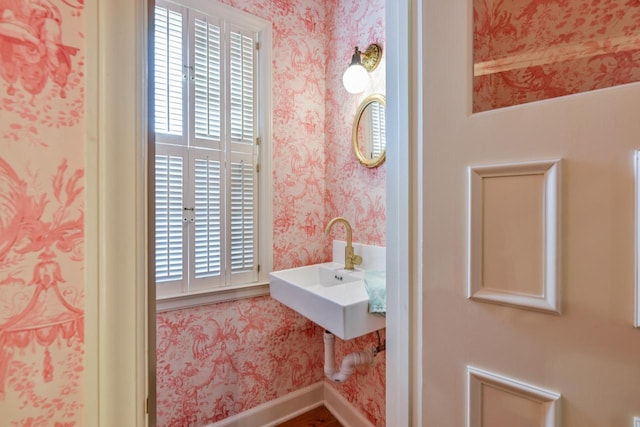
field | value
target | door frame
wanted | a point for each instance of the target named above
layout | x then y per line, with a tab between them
117	299
404	36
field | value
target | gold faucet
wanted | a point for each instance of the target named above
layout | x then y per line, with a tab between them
350	259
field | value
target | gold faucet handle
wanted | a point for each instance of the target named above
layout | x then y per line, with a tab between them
356	259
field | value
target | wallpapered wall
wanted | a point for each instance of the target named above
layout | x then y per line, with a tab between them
41	194
41	228
354	191
41	212
217	361
530	50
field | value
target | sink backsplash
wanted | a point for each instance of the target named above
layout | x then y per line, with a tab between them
373	257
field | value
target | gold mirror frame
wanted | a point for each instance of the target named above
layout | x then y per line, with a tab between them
370	163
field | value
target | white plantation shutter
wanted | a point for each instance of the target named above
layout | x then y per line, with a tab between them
378	131
207	155
242	175
169	61
206	51
242	87
206	250
243	219
169	224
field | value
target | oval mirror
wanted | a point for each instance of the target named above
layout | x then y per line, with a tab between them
368	136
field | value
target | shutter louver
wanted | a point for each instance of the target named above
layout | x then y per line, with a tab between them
169	217
207	233
207	71
241	88
243	218
168	75
377	129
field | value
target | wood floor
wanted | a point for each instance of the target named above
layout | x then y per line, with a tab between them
318	417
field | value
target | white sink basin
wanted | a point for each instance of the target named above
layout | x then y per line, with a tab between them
330	296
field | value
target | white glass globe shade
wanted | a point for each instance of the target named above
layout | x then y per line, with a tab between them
355	79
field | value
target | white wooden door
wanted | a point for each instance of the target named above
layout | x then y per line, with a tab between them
546	247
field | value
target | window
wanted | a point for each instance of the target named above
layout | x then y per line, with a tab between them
212	180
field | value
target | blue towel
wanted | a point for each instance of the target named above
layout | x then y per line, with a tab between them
375	283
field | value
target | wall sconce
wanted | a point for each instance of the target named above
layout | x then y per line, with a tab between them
356	77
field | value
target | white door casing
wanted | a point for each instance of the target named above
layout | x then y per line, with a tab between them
404	94
587	352
117	304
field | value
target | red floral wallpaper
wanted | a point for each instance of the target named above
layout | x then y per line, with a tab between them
213	361
220	360
354	191
223	359
523	51
41	213
529	50
366	388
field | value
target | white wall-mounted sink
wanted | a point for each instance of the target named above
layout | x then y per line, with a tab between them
328	295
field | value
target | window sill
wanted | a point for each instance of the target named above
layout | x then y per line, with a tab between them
230	293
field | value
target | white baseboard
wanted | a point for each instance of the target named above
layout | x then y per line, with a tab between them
342	409
298	402
276	411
